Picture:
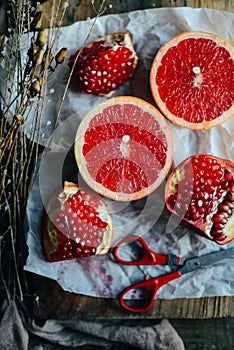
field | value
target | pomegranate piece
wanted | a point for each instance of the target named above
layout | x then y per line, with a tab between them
200	190
75	224
105	64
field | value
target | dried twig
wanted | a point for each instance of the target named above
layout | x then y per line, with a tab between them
26	54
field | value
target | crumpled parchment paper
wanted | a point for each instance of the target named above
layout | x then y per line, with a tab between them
101	276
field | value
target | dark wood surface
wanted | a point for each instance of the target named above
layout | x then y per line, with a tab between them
82	9
204	323
68	305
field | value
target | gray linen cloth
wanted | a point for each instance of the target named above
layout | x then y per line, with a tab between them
16	326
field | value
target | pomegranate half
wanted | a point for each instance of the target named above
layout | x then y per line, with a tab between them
200	190
75	224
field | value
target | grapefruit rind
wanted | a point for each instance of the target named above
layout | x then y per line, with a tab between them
81	161
154	88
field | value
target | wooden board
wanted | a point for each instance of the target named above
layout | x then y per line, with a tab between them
50	301
82	9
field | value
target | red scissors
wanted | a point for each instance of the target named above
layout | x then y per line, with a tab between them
150	286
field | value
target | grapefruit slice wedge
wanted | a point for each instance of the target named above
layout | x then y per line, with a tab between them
192	80
124	148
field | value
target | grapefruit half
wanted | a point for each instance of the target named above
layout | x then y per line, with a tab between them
192	80
124	148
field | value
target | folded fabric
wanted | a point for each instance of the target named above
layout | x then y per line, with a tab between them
13	334
16	326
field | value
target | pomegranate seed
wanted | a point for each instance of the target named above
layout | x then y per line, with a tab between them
219	218
61	226
201	210
60	214
224	206
228	177
224	185
195	216
230	197
231	187
218	226
220	237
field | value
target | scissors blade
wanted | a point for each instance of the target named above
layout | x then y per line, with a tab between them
202	261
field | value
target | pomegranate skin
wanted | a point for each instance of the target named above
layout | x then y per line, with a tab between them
200	190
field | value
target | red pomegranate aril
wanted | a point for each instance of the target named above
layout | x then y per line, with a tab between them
77	250
231	187
225	207
230	197
219	236
224	185
72	235
61	226
219	218
201	210
215	232
105	59
195	216
172	200
217	226
101	224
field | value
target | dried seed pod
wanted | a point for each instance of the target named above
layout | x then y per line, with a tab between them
2	46
61	55
41	38
36	22
2	39
35	88
38	57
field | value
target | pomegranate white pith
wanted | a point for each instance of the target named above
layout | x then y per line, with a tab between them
200	190
76	224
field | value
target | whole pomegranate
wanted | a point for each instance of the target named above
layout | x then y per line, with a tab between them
75	224
200	190
104	65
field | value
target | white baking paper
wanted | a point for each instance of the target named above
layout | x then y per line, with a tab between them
101	276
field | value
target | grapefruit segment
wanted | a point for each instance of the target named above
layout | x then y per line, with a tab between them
192	80
124	148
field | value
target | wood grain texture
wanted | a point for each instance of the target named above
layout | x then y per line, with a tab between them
82	9
67	305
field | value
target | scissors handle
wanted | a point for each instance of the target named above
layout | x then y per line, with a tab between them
149	257
151	286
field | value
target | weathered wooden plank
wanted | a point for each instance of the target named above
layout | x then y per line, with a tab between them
83	9
222	5
69	305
